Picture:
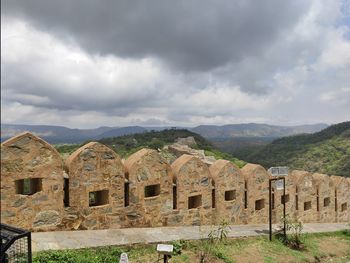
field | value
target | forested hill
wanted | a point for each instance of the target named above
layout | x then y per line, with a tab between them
327	151
128	144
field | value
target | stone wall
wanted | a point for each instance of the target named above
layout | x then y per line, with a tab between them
193	192
305	194
257	187
341	188
324	197
31	183
150	187
229	192
96	190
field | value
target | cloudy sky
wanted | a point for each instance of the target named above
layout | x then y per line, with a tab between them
88	63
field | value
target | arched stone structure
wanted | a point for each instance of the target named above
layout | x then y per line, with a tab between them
341	199
150	189
305	196
324	188
229	192
31	183
257	193
96	187
194	188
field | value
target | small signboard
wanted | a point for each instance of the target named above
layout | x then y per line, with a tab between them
278	171
279	185
124	258
165	249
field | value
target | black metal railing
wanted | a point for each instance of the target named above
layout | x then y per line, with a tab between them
16	244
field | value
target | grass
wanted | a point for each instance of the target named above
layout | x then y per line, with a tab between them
320	247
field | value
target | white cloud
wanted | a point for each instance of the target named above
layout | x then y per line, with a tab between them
301	76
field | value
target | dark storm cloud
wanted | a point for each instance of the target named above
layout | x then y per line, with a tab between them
187	35
86	63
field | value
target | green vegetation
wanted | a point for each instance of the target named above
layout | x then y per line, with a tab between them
321	247
327	151
67	148
129	144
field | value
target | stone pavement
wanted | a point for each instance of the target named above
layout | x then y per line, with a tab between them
111	237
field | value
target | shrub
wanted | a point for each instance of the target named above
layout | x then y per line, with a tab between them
294	236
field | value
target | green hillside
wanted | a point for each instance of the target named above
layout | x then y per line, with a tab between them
128	144
327	151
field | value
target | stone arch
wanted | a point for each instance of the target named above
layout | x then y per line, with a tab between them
96	187
229	191
257	180
194	187
31	183
325	191
150	189
341	198
306	209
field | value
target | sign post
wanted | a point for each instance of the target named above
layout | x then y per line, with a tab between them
279	173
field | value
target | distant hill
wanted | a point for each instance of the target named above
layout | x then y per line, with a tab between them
128	144
327	151
60	134
255	130
242	137
115	132
246	132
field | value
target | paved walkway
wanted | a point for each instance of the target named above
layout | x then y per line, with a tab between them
110	237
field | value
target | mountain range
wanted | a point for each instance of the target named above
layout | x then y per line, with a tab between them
61	134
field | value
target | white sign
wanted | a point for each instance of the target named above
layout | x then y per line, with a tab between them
124	258
278	171
279	185
165	249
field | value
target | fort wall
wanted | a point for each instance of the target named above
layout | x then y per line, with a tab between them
95	189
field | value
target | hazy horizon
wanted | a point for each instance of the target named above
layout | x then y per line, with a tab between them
174	63
169	126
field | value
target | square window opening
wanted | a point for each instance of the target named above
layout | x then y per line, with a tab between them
307	205
284	199
259	204
194	201
326	201
344	207
28	186
99	198
230	195
152	190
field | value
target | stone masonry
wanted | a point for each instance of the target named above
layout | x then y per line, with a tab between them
193	191
96	193
324	197
341	188
150	182
257	187
229	192
96	190
305	196
31	183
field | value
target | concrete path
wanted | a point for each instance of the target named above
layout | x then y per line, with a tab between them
111	237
